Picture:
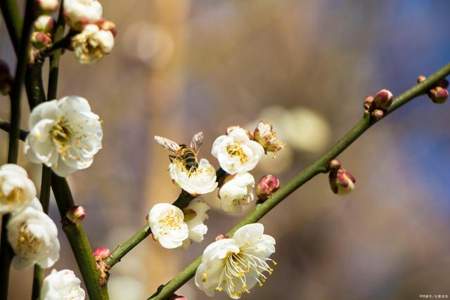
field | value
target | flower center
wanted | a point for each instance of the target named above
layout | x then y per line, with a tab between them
238	267
235	149
61	135
27	244
16	195
172	220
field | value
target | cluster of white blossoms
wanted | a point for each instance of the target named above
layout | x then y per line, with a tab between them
236	264
238	152
31	233
233	264
64	135
95	37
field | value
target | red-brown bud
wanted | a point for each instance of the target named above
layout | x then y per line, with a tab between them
341	181
41	40
438	94
266	186
5	78
383	99
76	214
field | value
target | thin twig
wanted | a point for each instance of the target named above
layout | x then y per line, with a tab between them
6	252
319	166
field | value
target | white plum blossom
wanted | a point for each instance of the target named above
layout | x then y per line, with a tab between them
33	237
81	12
267	137
236	193
236	152
48	5
16	189
200	181
62	285
236	264
167	224
195	215
64	135
92	44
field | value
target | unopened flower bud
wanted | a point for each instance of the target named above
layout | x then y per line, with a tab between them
40	40
48	5
5	79
267	137
221	237
101	253
383	99
438	94
334	164
266	186
377	114
44	24
421	78
368	102
76	214
341	181
107	25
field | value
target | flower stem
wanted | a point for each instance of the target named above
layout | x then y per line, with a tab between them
78	240
11	16
319	166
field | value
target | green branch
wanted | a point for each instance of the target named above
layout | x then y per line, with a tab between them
319	166
78	240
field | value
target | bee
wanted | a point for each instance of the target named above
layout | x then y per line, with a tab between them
182	152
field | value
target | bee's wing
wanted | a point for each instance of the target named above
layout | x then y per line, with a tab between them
167	143
197	141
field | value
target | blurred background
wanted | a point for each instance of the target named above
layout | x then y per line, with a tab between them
182	66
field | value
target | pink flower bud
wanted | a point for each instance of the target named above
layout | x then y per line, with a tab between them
76	214
101	253
5	78
40	39
383	99
438	94
266	186
341	181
